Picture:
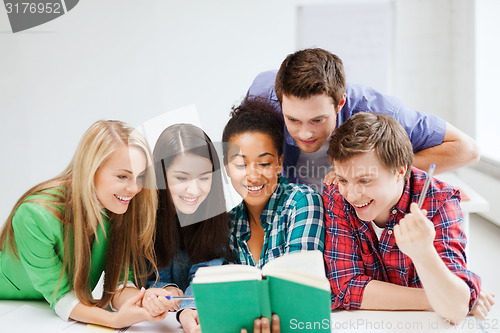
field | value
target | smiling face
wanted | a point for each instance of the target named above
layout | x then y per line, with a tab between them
120	178
369	186
189	180
310	121
253	166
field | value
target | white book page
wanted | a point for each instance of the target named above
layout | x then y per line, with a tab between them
227	273
319	282
309	262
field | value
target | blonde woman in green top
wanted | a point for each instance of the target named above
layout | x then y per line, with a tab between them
97	216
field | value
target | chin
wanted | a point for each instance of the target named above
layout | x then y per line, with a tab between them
118	211
309	149
187	210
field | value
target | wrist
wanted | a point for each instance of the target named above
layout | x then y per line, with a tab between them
180	312
425	257
113	320
166	285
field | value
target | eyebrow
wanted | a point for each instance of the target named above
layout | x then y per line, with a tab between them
187	173
320	116
357	177
143	173
243	156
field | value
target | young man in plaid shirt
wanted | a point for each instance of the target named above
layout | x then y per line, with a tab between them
382	252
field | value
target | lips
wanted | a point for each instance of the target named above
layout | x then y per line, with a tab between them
362	205
189	201
254	189
123	199
308	142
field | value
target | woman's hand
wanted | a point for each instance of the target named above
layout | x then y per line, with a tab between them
156	303
174	291
131	312
189	320
261	325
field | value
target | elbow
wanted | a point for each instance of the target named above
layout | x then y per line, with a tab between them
471	151
474	153
456	315
454	312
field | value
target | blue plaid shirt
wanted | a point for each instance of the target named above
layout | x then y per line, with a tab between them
293	221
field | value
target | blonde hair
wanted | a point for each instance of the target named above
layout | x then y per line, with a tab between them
74	203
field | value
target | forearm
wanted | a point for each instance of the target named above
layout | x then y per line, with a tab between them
122	296
447	294
94	315
457	150
380	295
445	156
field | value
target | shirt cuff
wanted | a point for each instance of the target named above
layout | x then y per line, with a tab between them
125	285
65	305
165	285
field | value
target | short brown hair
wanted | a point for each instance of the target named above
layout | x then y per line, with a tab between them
366	131
310	72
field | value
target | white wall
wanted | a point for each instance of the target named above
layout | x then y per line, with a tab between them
484	111
487	69
127	60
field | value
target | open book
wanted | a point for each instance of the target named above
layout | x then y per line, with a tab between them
294	286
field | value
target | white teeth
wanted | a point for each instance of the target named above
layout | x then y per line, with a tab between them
189	199
255	188
362	205
123	198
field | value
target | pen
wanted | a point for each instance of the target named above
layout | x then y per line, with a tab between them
175	298
426	186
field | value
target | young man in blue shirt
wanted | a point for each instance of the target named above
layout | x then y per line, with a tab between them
310	91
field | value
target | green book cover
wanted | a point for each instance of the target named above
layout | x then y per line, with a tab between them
229	298
300	306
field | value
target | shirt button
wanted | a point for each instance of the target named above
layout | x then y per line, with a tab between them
394	211
389	232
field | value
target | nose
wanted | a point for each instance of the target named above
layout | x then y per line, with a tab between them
192	187
305	132
352	192
252	173
132	187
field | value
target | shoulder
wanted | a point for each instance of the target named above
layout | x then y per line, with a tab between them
37	209
333	200
442	200
236	214
236	210
299	194
263	84
362	98
331	194
438	190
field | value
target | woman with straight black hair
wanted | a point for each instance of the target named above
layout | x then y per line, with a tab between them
192	223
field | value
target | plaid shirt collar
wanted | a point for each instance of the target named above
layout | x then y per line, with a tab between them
273	205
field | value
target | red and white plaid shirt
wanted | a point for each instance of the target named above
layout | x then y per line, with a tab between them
354	255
